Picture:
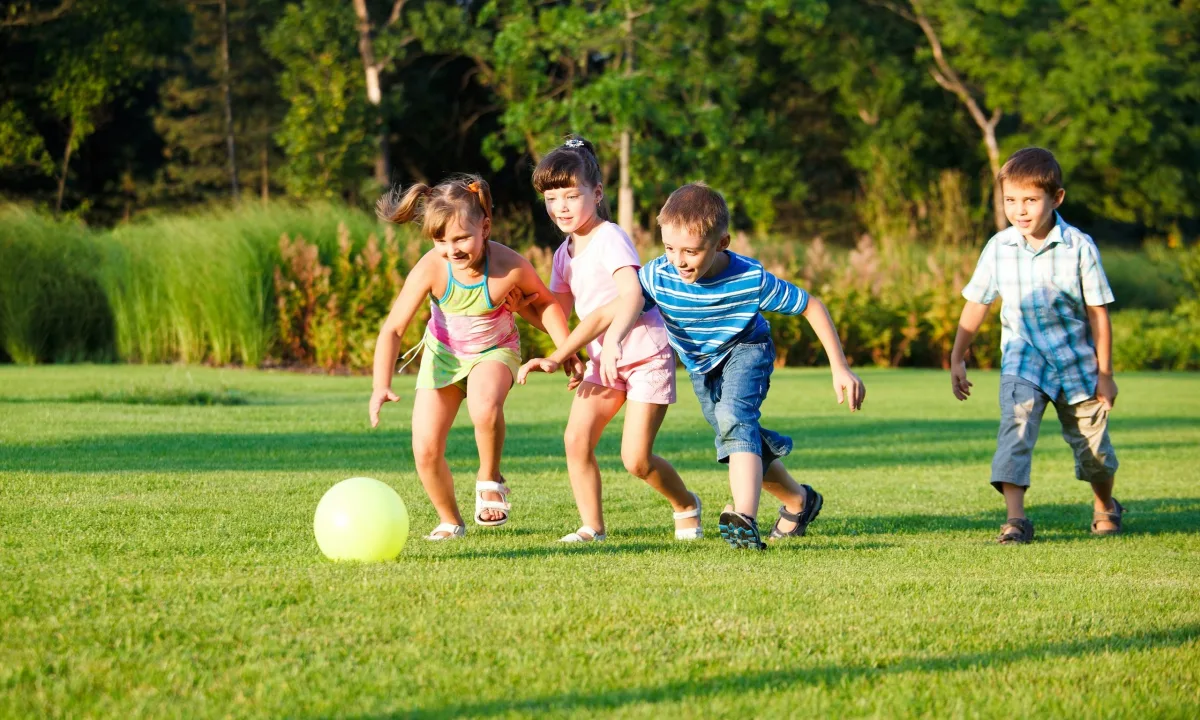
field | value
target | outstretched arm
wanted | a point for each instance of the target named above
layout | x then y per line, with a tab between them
973	315
387	346
846	385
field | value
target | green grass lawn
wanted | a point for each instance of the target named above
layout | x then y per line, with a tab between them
157	559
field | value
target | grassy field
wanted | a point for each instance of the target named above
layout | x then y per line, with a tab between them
157	560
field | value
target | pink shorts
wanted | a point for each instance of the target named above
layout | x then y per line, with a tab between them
649	381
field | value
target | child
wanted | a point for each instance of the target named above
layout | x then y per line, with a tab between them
711	301
596	263
1056	339
471	343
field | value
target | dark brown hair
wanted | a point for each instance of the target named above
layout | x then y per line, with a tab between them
572	164
698	209
466	197
1032	166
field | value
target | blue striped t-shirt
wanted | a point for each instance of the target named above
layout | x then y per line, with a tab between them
707	318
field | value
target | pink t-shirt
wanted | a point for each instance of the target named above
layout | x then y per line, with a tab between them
589	277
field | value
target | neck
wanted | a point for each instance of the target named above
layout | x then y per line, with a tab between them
1039	234
719	265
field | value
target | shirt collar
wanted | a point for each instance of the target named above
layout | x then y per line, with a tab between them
1057	236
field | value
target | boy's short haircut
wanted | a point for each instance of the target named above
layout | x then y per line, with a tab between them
699	209
1032	166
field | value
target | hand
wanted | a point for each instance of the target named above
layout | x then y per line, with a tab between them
537	364
847	385
516	300
610	356
958	380
574	368
1106	391
378	398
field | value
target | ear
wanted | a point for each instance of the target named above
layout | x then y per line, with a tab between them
723	243
599	191
486	228
1058	197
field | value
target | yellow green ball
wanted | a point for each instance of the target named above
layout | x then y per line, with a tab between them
361	519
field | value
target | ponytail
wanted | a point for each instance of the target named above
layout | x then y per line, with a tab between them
399	207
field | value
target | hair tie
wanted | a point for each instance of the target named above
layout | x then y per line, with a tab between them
574	143
477	189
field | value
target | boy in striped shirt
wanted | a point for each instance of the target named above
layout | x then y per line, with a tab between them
712	301
1056	340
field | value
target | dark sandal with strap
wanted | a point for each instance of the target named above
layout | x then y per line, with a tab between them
740	531
812	508
1108	517
1017	531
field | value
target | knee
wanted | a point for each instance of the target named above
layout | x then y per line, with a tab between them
637	465
578	444
487	415
428	451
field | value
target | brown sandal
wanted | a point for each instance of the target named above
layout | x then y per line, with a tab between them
1108	517
1017	531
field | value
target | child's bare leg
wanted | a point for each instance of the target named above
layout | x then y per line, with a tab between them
642	421
745	481
1014	499
433	414
780	483
591	411
487	388
1102	490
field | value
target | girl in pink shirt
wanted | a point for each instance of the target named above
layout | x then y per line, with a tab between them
594	265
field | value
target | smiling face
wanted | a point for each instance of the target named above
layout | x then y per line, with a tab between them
573	209
464	242
1030	208
693	256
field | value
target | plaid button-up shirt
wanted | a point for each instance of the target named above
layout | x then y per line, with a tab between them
1045	336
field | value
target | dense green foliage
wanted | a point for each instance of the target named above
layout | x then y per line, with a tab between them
310	287
159	561
813	117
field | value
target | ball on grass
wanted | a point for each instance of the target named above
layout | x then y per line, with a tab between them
361	519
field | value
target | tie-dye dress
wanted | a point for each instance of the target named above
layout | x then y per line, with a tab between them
464	330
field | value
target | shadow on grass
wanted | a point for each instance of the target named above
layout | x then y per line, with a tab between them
736	684
1059	521
822	444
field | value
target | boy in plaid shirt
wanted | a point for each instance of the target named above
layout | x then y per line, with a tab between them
1056	340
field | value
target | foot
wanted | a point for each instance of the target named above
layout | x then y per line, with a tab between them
740	530
496	515
687	521
785	526
1017	531
583	535
447	531
1106	519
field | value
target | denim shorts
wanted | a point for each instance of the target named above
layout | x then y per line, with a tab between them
731	397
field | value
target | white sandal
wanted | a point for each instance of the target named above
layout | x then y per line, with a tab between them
502	505
456	531
690	533
578	536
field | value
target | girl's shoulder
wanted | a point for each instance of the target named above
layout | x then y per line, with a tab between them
502	258
610	232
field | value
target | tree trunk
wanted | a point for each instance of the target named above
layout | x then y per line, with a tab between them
366	50
265	176
62	178
625	194
993	151
231	146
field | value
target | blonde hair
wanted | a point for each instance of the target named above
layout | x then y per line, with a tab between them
466	197
699	210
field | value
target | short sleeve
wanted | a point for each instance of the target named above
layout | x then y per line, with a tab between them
982	288
781	296
646	278
1096	290
616	250
560	273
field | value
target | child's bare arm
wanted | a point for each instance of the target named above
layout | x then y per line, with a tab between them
387	346
846	384
628	308
1106	386
973	315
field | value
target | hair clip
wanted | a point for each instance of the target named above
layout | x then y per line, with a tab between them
573	143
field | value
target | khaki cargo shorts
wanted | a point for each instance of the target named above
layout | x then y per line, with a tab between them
1084	427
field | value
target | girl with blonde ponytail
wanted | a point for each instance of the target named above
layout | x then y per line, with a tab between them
471	349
